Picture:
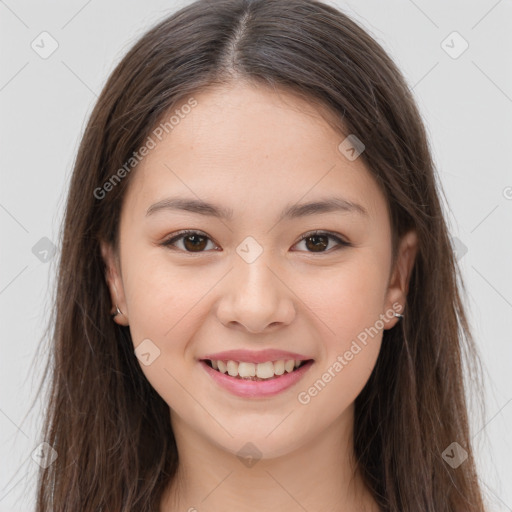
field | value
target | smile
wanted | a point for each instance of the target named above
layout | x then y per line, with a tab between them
255	371
256	380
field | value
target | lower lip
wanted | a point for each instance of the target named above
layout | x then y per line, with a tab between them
257	388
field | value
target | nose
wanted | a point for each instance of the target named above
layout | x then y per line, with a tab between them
256	298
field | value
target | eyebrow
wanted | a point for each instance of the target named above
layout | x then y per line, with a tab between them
331	204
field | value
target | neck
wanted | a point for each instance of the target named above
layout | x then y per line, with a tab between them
320	475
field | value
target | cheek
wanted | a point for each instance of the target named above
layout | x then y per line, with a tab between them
348	303
347	297
160	295
163	302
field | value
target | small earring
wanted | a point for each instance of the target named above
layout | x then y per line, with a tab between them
398	315
117	312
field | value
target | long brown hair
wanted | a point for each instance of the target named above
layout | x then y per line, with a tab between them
110	429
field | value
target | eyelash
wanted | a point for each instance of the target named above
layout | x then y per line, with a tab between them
181	234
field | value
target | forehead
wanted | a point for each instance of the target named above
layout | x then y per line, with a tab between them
245	147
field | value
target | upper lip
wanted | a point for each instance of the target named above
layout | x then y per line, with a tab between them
250	356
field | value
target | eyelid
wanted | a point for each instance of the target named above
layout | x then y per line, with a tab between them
317	232
174	237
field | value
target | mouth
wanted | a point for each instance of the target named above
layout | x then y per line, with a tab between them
256	372
256	380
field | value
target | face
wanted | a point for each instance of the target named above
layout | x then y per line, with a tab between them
255	276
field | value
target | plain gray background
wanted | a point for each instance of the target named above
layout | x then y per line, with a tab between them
466	102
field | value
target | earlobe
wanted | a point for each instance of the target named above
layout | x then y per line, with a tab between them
113	278
398	287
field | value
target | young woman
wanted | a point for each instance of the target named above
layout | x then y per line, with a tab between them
258	305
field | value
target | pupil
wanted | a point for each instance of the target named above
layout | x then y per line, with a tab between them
321	245
194	245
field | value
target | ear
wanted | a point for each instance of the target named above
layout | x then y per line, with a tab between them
115	283
398	287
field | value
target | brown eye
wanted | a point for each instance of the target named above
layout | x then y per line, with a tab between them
193	241
319	241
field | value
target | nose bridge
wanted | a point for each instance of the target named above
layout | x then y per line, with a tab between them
256	287
255	279
252	264
256	297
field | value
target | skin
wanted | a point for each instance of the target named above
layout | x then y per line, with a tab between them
256	150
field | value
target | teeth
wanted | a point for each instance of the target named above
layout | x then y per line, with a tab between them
232	368
279	367
289	365
265	370
247	369
253	371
